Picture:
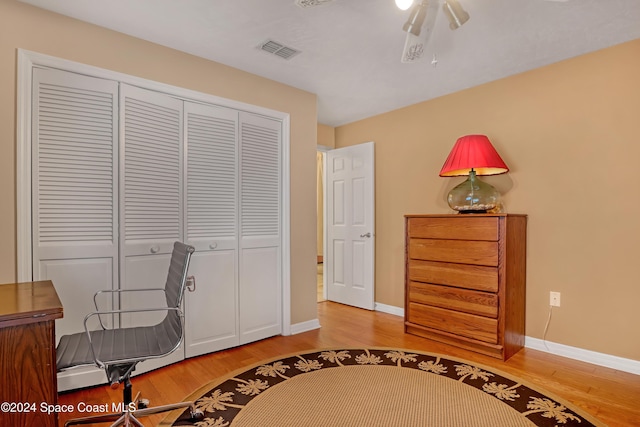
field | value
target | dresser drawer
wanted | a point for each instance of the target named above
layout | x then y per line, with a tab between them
476	277
455	251
463	324
454	228
472	302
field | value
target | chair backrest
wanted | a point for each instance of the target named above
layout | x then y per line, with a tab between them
172	326
177	277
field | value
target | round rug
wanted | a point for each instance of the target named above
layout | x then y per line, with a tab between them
376	387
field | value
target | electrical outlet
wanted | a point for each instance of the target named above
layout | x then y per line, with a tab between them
554	299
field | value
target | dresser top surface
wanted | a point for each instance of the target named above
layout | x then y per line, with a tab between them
29	300
462	215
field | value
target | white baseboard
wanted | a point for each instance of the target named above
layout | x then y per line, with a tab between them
391	309
601	359
309	325
575	353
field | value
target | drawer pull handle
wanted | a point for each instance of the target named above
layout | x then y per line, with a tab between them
213	245
154	249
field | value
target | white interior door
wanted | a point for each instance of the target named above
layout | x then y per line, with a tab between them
350	225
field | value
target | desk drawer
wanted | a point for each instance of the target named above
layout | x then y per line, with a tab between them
468	325
472	302
455	251
454	228
476	277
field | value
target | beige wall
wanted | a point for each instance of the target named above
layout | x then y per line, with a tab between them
23	26
326	136
569	133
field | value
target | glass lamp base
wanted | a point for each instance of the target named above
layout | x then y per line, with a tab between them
473	196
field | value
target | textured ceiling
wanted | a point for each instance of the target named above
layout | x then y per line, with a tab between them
351	49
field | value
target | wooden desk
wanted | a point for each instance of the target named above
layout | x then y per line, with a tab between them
27	353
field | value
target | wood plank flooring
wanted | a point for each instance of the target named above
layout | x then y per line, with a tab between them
611	396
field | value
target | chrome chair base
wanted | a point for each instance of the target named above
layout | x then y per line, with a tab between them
130	418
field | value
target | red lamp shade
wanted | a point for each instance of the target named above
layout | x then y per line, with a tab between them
473	152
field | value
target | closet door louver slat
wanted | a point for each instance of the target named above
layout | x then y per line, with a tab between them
74	180
211	176
152	168
260	184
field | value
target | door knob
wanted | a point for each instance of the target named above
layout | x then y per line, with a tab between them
365	235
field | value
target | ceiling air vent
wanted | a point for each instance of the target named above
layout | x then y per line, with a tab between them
279	49
311	3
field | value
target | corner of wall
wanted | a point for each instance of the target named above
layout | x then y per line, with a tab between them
326	136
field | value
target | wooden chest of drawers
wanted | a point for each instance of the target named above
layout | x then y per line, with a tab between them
465	280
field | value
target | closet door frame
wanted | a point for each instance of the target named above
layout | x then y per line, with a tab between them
27	60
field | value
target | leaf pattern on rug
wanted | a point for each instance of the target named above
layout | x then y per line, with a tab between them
251	387
276	369
549	409
502	391
224	401
472	372
433	366
305	365
335	356
400	356
218	401
368	359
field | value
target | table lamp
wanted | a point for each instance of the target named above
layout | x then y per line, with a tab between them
473	155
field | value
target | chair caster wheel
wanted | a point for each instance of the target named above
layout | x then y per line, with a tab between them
143	403
196	415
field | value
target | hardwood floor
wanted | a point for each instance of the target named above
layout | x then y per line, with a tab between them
611	396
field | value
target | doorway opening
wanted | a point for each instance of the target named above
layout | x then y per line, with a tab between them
320	223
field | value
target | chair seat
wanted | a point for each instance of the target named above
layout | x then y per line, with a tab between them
114	345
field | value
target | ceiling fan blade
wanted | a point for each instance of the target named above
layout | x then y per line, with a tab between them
414	46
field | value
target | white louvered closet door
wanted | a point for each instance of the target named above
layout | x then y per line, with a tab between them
211	227
150	201
260	252
74	196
